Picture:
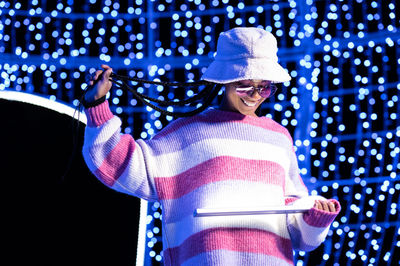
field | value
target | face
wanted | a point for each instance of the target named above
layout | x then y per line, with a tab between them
245	104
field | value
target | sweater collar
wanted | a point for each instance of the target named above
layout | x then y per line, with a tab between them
234	116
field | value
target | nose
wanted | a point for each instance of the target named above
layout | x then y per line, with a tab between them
255	94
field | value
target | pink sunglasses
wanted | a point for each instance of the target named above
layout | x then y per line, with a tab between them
264	91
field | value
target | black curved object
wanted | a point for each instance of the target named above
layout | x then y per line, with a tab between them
49	219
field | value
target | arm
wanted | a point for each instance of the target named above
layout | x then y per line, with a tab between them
117	160
310	229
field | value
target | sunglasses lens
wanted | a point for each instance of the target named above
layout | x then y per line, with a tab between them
264	92
268	91
243	91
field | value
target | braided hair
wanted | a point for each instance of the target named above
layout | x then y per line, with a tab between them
205	96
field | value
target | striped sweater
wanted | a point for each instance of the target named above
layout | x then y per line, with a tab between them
211	160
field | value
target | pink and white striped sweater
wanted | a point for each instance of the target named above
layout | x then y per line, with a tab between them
214	159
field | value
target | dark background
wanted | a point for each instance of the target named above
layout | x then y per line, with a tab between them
49	218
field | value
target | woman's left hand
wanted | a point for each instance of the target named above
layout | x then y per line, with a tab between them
325	205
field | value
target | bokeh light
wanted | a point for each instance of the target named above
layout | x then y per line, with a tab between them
342	105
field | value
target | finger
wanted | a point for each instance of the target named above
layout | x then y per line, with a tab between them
332	207
318	205
325	205
103	75
107	74
105	67
97	74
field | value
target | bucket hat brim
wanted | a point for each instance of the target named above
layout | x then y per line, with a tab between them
227	71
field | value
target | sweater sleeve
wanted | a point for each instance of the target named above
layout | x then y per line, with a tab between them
307	231
116	159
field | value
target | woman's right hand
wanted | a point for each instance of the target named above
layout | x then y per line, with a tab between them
100	84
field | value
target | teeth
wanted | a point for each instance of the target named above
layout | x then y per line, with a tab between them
249	103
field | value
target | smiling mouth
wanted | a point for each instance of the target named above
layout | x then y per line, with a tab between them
249	104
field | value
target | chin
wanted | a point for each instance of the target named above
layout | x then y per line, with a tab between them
248	110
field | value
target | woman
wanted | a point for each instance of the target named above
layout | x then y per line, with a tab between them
224	157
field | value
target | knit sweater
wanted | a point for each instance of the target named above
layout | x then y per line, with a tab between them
215	159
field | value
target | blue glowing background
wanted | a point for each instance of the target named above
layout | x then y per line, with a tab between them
342	105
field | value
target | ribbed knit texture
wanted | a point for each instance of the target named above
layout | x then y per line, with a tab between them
100	116
211	160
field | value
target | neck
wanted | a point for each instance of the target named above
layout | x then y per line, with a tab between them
224	106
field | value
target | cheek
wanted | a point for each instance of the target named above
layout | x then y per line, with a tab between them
231	96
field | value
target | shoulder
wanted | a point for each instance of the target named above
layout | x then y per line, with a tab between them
275	126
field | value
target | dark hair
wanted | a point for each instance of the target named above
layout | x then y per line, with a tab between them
205	96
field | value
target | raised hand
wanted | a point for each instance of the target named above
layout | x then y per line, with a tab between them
99	83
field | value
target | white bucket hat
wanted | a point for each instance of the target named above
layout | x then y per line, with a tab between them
246	53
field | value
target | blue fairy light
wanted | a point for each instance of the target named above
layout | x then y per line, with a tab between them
343	87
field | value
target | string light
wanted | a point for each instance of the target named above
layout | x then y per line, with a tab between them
342	105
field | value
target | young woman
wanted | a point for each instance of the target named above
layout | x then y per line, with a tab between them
219	158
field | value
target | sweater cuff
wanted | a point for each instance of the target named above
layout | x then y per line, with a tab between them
319	218
94	103
98	114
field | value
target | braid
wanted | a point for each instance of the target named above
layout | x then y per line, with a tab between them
198	96
206	103
208	93
176	84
